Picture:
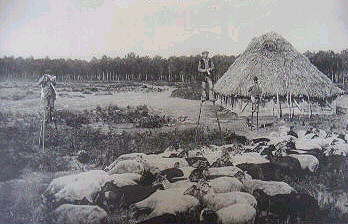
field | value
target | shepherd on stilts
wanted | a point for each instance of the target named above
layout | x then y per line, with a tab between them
48	97
255	96
48	94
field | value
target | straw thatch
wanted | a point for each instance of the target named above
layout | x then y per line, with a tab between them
280	69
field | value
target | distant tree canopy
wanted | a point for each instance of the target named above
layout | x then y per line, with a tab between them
136	68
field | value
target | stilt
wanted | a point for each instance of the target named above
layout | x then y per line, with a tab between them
217	118
200	111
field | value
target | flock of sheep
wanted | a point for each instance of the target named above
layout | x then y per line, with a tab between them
237	183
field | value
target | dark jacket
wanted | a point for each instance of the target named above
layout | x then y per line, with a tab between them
202	67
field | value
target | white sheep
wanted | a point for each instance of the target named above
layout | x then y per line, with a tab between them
168	151
169	201
337	147
218	201
125	179
71	214
130	156
225	184
77	187
309	162
271	188
222	171
237	213
128	166
156	162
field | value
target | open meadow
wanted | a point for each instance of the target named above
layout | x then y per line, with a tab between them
103	121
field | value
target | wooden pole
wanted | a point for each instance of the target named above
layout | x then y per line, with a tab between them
310	106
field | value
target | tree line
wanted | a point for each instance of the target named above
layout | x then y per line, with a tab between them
135	68
131	67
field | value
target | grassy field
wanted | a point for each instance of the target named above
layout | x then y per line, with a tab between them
109	130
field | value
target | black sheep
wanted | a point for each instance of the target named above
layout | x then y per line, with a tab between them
111	197
172	173
232	137
260	140
290	166
193	160
295	206
263	171
292	132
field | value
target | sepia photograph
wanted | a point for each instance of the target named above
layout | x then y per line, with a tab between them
173	111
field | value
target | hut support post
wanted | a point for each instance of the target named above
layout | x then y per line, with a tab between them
334	106
280	106
298	106
310	107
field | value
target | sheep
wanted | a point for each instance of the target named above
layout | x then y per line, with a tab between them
128	166
76	188
251	157
308	162
121	180
198	173
271	188
218	201
158	162
237	213
224	160
259	140
225	184
291	165
193	160
172	173
232	137
130	156
229	171
292	132
294	206
111	197
71	214
263	171
337	147
170	201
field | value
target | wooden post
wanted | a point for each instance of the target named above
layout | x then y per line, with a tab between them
310	106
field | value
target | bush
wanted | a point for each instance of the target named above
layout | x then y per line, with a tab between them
188	92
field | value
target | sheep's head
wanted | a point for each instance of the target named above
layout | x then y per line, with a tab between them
259	194
209	216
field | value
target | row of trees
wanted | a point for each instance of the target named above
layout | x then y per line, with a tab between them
133	67
334	65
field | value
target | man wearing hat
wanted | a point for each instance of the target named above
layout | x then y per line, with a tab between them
205	67
48	93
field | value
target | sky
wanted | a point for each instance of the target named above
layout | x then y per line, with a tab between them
84	29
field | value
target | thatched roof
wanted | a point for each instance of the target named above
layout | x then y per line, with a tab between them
280	69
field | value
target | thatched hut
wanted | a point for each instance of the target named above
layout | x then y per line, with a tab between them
288	80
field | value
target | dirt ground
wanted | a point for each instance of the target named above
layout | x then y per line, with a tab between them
25	98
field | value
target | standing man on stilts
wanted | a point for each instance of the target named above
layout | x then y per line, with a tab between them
48	94
205	67
255	95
